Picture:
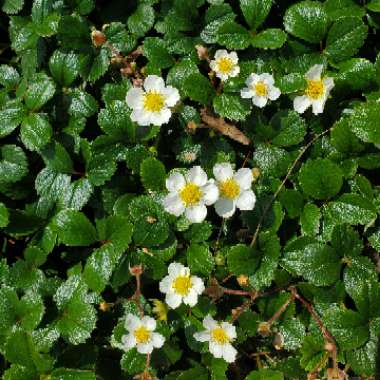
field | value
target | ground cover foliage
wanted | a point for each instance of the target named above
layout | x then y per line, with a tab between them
89	232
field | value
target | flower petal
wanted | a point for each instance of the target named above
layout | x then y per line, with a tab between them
246	200
196	214
171	96
225	207
246	93
221	53
191	298
328	83
209	322
197	176
140	116
229	353
260	101
135	98
157	340
173	204
234	72
132	322
223	171
173	300
198	284
318	106
244	178
252	79
145	348
274	93
165	284
267	79
301	103
149	323
175	182
203	336
314	72
216	349
210	193
162	117
154	82
128	341
234	57
229	329
175	269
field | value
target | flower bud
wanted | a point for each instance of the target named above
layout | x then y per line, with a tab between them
98	38
264	329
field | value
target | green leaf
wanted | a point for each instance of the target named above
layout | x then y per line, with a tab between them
64	67
77	316
74	32
4	216
291	83
94	67
356	73
345	38
199	259
348	327
74	229
150	225
321	178
306	20
265	374
115	121
71	374
313	353
157	53
374	5
364	122
351	209
11	115
198	88
343	139
13	163
39	91
77	194
133	362
293	331
233	36
316	262
291	126
82	104
12	6
142	20
310	219
57	158
231	107
179	73
218	369
9	77
341	8
36	131
153	174
346	240
255	11
269	39
242	259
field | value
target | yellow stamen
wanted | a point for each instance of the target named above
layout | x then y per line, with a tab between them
154	101
182	285
142	334
315	89
191	194
261	88
229	189
225	65
220	336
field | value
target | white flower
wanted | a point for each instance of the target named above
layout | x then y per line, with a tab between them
316	93
225	65
260	89
234	189
150	105
190	194
179	286
141	334
219	336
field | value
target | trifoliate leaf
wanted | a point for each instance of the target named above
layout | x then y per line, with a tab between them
306	20
82	104
40	90
293	333
36	131
199	259
64	67
141	20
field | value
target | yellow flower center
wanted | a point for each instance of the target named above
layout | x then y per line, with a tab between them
315	89
229	189
191	194
182	285
142	334
154	101
220	336
225	65
261	89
